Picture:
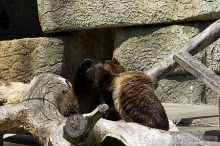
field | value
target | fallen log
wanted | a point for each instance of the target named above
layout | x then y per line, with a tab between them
36	108
199	42
80	132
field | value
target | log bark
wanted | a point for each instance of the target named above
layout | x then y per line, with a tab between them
36	108
80	132
199	42
79	128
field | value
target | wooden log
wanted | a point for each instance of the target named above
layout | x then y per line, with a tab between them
36	108
78	128
199	70
199	42
38	112
78	131
133	134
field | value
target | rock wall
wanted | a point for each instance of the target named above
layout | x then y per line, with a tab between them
55	35
63	15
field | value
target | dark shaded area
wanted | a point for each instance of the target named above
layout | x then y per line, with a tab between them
109	141
22	139
19	19
212	135
188	121
95	44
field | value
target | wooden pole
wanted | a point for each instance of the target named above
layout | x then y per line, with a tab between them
200	71
78	128
199	42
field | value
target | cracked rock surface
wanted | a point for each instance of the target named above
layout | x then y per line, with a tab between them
65	15
22	59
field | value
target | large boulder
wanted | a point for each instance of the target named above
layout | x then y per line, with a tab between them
184	89
139	48
62	15
22	59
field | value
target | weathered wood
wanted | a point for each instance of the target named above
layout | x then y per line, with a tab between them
133	134
78	128
199	70
199	42
36	108
80	132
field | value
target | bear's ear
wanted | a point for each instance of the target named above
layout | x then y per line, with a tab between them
115	61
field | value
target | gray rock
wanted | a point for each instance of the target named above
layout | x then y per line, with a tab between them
139	48
184	89
210	96
213	56
21	60
62	15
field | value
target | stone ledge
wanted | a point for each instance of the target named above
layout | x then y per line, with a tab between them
58	16
22	59
139	48
182	89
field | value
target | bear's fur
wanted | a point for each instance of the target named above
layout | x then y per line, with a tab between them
130	93
88	98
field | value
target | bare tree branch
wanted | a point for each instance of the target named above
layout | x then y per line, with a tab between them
199	42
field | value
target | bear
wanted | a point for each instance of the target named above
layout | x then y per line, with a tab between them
88	96
130	93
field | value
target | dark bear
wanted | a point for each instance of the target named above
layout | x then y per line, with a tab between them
131	94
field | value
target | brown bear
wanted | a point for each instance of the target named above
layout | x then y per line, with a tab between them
114	66
131	93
